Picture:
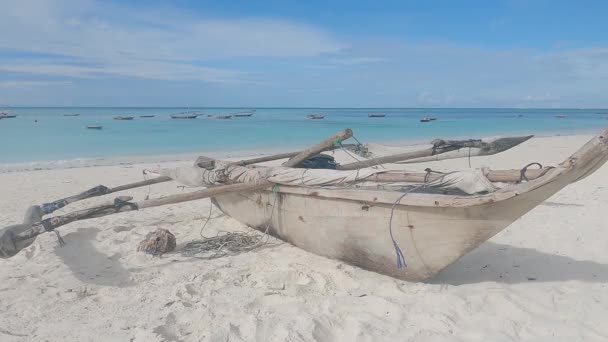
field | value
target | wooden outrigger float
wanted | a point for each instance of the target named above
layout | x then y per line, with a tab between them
402	224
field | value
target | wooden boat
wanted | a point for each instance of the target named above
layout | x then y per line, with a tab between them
5	115
221	117
122	118
186	116
366	228
375	115
410	232
147	116
244	114
71	114
315	116
95	127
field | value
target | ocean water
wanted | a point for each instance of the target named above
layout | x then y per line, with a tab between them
56	137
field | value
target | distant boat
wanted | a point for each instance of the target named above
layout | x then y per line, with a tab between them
560	116
6	115
315	116
425	119
71	114
243	114
433	119
194	116
224	117
147	116
184	115
375	115
123	118
94	127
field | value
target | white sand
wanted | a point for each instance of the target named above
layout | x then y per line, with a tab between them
542	279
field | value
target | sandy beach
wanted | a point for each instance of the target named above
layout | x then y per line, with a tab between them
544	278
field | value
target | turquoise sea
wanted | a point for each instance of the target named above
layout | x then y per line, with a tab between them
39	134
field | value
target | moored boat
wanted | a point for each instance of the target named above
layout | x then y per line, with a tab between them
425	119
147	116
376	115
244	114
184	116
6	115
95	127
76	114
221	117
315	116
122	118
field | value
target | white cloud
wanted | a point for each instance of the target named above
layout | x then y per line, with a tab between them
170	45
29	84
289	62
357	60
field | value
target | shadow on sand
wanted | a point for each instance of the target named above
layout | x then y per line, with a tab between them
87	264
493	262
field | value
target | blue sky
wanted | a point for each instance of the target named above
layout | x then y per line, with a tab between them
304	53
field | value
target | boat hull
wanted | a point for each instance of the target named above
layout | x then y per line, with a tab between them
357	232
431	231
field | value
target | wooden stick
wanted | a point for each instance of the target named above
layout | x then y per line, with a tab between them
411	155
280	156
152	181
99	190
318	148
484	149
121	205
506	176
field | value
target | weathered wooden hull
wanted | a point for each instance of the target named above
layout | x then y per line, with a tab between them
432	231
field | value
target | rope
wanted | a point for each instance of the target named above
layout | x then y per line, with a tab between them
48	226
343	148
149	185
400	258
225	243
522	172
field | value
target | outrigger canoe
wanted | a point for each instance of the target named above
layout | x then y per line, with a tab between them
402	224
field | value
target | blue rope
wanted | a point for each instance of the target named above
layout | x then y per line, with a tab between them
400	257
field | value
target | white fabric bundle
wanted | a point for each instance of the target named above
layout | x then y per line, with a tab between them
470	181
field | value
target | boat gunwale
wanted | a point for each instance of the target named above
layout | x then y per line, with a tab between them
586	155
